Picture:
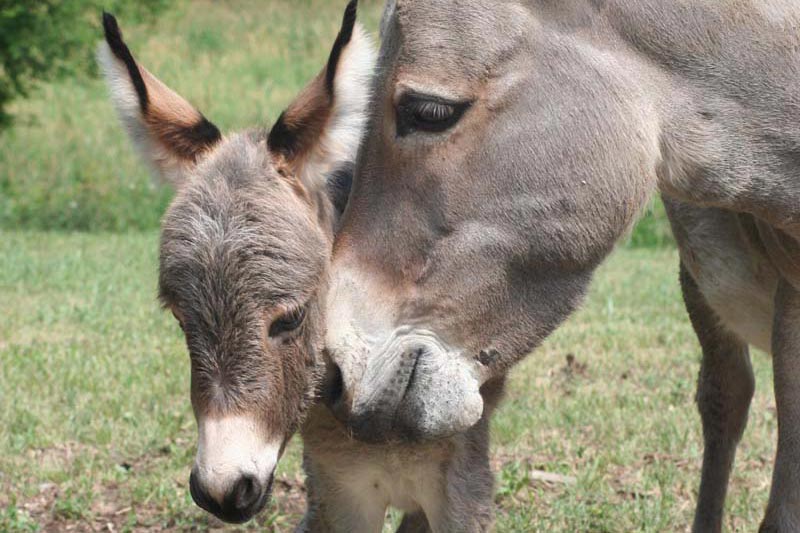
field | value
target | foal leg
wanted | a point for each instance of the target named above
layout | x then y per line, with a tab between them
783	511
724	389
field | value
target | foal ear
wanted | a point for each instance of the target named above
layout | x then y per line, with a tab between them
321	130
169	132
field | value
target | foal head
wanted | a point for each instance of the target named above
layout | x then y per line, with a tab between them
244	250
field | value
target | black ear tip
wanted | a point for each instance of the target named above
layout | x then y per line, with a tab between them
349	19
121	52
111	29
342	40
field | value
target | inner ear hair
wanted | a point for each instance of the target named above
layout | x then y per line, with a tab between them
170	133
304	120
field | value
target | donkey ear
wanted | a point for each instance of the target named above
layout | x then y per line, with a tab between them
320	131
169	132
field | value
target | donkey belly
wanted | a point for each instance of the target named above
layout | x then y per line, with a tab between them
724	254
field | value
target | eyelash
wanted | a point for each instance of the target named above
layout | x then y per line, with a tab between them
421	113
288	322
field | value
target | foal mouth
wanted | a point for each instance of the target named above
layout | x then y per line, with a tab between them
229	511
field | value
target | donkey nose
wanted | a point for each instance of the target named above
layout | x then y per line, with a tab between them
373	417
245	495
370	427
333	392
240	503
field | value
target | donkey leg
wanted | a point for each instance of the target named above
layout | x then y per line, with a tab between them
463	500
336	511
724	389
783	510
414	523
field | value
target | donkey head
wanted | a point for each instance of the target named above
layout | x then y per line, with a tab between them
244	250
502	162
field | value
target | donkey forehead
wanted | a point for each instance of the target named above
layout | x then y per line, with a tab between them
238	189
239	161
469	35
240	227
231	257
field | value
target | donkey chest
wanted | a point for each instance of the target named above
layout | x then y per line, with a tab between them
391	479
408	477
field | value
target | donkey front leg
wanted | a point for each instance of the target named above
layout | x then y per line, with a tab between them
462	501
783	511
724	389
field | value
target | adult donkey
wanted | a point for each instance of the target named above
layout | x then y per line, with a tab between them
510	145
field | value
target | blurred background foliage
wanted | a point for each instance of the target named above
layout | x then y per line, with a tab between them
65	163
46	39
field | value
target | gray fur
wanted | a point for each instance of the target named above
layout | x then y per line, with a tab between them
443	486
247	239
485	237
236	243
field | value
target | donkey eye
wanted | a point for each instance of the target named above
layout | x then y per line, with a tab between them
427	113
288	322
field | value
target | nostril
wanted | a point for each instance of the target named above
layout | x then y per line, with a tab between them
335	385
246	498
246	493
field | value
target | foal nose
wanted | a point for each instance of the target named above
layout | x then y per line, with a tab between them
246	497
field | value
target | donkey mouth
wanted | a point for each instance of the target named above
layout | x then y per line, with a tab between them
240	503
377	421
414	388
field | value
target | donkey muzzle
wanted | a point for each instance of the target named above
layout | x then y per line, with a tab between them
234	468
414	388
246	498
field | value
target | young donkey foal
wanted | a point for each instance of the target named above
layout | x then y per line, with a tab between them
244	249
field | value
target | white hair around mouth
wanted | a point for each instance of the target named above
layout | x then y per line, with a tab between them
231	447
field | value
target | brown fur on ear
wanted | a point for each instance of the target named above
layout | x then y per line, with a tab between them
171	134
177	125
321	129
302	123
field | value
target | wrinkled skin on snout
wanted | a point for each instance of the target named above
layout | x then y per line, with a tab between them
244	252
480	207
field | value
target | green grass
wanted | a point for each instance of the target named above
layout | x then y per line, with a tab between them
66	164
97	427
